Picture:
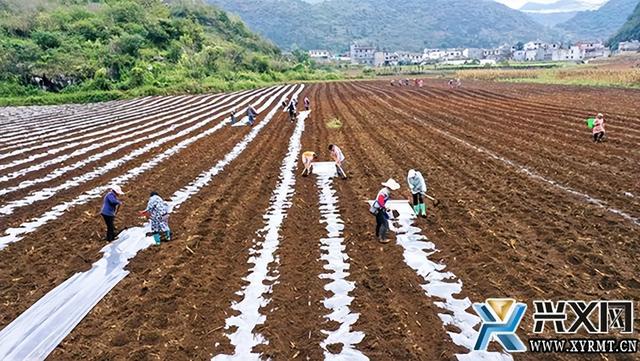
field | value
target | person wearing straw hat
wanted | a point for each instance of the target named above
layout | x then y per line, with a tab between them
110	206
418	188
380	211
307	159
598	128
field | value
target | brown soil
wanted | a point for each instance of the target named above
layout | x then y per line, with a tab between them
500	231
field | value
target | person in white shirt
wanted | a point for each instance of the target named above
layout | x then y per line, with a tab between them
338	157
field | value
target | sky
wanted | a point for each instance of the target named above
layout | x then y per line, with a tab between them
516	4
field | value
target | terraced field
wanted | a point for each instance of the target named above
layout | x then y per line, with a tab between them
268	264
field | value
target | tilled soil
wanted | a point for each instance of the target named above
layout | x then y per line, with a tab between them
501	230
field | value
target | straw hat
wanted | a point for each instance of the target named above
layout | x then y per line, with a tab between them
117	189
391	184
600	115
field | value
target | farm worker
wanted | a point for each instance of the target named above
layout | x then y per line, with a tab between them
418	188
110	206
285	102
307	103
393	82
598	128
292	111
158	212
379	209
307	159
233	116
338	157
420	83
251	113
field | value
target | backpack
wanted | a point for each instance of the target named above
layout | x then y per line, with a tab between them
375	208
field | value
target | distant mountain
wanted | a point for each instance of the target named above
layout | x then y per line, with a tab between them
630	30
558	6
552	14
599	24
551	19
408	24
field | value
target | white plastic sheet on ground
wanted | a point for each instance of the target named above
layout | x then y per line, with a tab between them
439	283
170	132
132	128
337	266
37	332
12	235
243	339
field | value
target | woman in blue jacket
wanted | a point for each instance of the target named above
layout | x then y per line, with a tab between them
110	206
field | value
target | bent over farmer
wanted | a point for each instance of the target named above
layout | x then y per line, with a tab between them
158	213
307	159
110	206
251	114
339	158
418	188
379	209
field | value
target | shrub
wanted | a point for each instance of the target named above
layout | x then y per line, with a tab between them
46	40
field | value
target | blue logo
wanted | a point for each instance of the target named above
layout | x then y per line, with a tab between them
500	320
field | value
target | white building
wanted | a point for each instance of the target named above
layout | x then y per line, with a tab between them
629	46
573	53
594	49
433	54
453	54
385	58
473	53
409	58
498	54
362	54
324	54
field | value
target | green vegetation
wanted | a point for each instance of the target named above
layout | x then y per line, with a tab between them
630	30
601	23
54	51
399	25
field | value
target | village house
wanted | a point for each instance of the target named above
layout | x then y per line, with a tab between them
498	54
362	54
407	58
385	58
593	49
320	55
473	53
629	46
433	54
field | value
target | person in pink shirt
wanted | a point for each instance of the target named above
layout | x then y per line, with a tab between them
598	128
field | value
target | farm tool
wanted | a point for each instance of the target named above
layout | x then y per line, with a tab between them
341	172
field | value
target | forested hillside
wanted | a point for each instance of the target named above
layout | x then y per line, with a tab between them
410	25
630	30
139	46
601	23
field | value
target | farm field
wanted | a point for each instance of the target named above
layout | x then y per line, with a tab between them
268	264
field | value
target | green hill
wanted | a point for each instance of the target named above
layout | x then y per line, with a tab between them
112	47
601	23
409	25
630	30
